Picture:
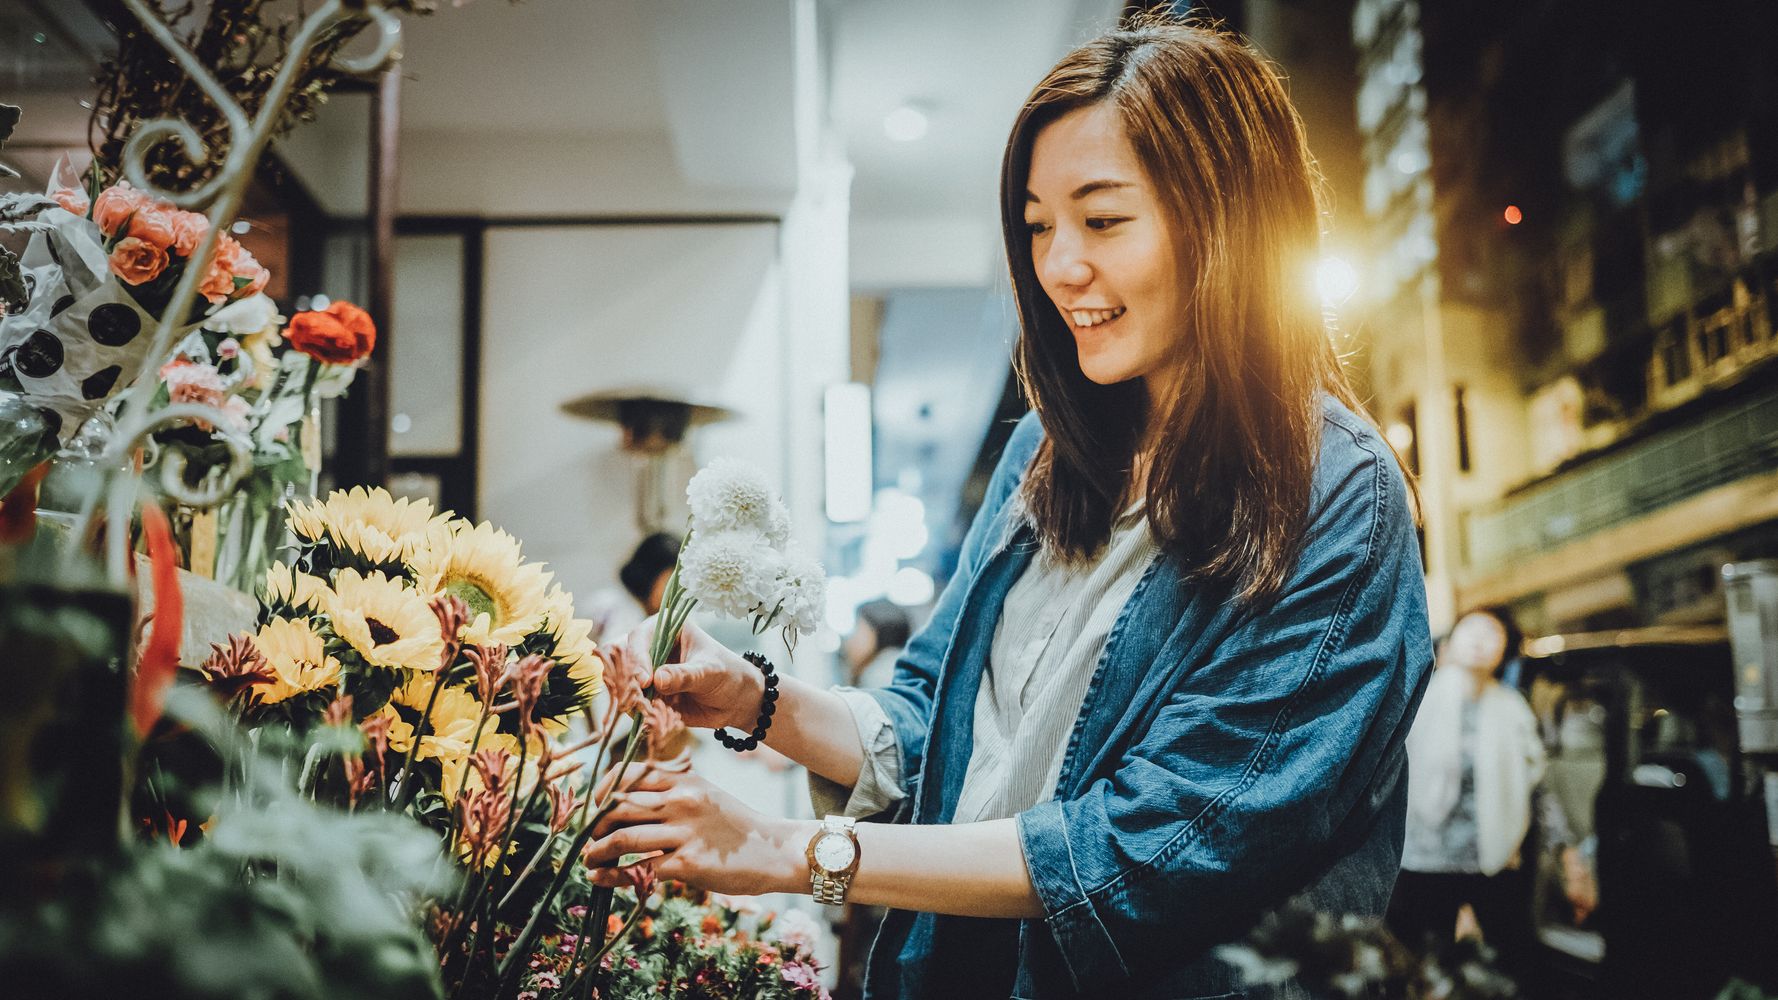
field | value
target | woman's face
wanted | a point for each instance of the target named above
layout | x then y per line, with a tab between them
1476	644
1103	246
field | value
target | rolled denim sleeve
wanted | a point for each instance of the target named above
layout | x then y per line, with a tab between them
1241	792
879	776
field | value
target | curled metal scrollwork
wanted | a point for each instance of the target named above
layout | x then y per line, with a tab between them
220	199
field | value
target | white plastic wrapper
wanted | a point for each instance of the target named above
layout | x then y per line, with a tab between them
83	338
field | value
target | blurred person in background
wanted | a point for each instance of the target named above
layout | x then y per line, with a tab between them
1475	760
645	575
870	651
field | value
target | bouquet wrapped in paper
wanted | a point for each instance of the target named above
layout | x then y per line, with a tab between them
100	269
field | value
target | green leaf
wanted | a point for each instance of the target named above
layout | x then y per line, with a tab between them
13	294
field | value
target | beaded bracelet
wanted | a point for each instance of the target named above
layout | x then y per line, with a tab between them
766	708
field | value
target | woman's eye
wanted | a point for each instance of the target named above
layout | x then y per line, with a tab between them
1104	221
1037	228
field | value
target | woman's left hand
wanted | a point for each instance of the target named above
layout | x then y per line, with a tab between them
705	837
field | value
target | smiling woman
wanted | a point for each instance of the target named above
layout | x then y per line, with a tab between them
1168	686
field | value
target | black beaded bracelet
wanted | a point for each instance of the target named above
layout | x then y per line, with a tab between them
766	708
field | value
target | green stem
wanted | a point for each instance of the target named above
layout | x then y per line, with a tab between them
463	782
522	946
594	915
623	932
405	790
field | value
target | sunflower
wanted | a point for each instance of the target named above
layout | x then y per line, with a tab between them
401	731
483	565
572	643
451	704
297	656
372	525
388	624
288	589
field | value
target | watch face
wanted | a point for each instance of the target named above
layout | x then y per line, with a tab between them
834	852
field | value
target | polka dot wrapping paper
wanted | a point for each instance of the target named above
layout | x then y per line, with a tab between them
83	338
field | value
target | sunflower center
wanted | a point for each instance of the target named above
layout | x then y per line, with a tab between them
381	634
477	597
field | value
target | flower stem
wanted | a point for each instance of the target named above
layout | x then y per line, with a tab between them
406	789
521	946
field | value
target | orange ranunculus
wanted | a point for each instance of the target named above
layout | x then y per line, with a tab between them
188	231
72	199
137	261
341	335
321	337
358	323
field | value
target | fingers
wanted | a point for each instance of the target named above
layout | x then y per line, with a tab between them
606	851
632	809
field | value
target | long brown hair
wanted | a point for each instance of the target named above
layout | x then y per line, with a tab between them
1228	485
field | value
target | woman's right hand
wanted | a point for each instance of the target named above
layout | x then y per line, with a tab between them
708	684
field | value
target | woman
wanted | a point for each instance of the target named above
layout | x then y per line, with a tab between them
1475	760
1168	686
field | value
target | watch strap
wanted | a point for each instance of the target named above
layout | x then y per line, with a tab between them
827	887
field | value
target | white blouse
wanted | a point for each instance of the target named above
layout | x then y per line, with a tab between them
1047	644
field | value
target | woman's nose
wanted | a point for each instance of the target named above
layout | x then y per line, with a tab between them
1064	265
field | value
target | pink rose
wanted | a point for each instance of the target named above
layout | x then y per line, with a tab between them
149	220
219	281
73	200
137	261
188	231
114	207
153	223
191	382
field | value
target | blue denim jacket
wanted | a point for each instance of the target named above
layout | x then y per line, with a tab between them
1224	761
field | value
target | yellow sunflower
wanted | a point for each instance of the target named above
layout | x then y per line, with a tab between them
388	624
287	588
452	770
401	731
573	646
297	656
371	524
483	565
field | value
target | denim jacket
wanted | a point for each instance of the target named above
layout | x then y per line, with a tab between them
1225	760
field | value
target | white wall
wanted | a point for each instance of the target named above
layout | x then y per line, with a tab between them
571	310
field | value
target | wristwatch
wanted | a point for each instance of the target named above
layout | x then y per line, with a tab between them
833	859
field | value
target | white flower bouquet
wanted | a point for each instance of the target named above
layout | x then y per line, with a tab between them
738	560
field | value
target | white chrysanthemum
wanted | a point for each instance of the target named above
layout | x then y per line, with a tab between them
733	572
727	495
800	593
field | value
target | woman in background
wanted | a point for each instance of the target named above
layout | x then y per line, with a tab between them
1475	759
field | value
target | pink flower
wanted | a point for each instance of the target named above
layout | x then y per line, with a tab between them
137	262
73	200
219	280
115	205
149	221
801	976
191	382
189	229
